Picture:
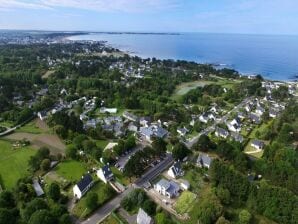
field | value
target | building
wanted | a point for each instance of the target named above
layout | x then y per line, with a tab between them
145	121
182	131
220	132
130	116
42	115
83	186
167	188
143	217
204	160
205	117
273	113
37	188
105	174
260	111
153	131
184	185
237	137
103	110
255	118
257	144
176	170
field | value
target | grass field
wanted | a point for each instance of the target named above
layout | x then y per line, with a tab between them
185	202
184	88
71	170
13	163
104	192
31	127
119	176
102	143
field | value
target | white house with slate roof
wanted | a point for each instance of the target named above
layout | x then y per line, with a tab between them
153	131
257	144
167	188
83	186
176	170
220	132
105	174
143	217
204	160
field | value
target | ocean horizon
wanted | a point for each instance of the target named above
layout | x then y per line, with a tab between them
272	56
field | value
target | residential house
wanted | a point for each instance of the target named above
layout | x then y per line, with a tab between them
167	188
143	217
260	111
130	116
37	188
204	160
145	121
237	137
220	132
257	144
83	186
205	117
248	107
176	170
153	131
255	118
132	127
182	131
105	174
273	113
185	185
103	110
42	115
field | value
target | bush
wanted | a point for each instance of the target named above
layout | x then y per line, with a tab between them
92	200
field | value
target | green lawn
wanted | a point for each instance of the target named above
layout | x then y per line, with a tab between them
13	163
31	127
102	143
119	176
104	192
71	170
185	202
6	124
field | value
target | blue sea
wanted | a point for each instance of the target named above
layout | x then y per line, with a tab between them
273	56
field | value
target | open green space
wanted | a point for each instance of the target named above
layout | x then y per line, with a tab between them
104	192
102	143
71	170
13	163
185	202
31	128
184	88
119	176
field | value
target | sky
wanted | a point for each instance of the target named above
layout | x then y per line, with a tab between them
216	16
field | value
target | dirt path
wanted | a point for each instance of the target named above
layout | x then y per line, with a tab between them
38	140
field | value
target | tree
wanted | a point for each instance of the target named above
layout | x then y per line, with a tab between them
244	217
7	216
204	144
180	151
160	146
223	195
33	206
65	219
7	200
71	152
209	210
149	207
222	220
42	216
54	191
92	200
45	164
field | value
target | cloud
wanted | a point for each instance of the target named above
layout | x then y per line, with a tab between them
94	5
114	5
6	5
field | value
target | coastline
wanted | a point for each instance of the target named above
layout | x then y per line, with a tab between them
290	79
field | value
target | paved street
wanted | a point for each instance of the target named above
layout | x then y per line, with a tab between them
106	210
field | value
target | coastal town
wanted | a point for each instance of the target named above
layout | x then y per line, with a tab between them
94	135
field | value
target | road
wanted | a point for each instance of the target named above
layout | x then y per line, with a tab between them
212	127
110	206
